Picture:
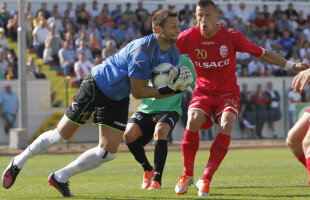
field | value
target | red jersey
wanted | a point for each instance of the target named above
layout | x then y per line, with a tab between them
215	58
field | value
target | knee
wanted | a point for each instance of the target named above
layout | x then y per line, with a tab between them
160	134
110	156
194	123
129	137
306	143
290	140
226	126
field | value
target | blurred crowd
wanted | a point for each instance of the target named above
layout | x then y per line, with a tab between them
80	37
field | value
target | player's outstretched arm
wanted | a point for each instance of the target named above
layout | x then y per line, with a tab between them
273	58
140	90
300	80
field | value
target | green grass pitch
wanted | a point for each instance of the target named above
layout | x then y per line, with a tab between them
244	174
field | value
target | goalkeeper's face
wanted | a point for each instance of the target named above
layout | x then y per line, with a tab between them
171	30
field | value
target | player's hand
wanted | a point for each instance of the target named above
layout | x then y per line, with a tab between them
169	88
301	66
183	79
300	80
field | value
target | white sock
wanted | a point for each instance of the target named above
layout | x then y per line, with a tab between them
88	160
40	145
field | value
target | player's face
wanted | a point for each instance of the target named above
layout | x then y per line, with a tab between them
171	30
206	19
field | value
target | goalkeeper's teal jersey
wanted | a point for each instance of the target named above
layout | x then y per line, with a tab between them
152	105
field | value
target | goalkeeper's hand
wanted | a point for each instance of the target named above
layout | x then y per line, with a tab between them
184	78
170	87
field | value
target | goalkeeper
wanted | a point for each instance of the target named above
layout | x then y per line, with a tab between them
156	119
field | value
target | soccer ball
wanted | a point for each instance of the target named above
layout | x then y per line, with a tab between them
161	74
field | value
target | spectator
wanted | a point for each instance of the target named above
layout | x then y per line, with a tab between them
58	25
67	58
28	24
273	111
253	65
3	40
293	98
129	11
229	13
94	45
12	70
106	20
283	24
31	64
70	39
98	60
108	51
55	9
40	34
287	44
291	11
171	6
45	12
3	62
255	14
93	29
37	20
39	74
66	19
185	13
265	11
116	15
70	11
82	36
9	72
12	27
94	11
4	15
82	19
304	50
119	34
242	13
259	25
278	12
8	107
52	47
30	75
247	116
293	25
260	100
146	27
82	67
301	21
83	49
141	13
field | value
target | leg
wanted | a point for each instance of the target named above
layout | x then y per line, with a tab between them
132	133
190	145
220	145
162	130
65	130
296	135
306	148
109	140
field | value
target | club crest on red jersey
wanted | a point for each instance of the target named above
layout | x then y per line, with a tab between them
224	51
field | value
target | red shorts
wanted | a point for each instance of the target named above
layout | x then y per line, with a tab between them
215	105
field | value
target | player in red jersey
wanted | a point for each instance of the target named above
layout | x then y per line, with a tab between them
298	137
212	48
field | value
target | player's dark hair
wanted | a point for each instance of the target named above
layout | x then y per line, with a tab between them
160	17
206	3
